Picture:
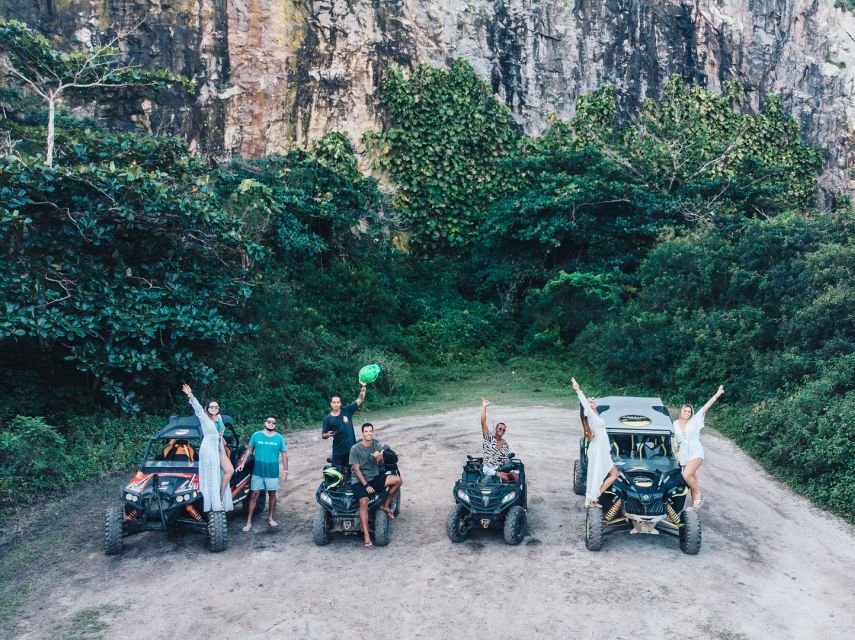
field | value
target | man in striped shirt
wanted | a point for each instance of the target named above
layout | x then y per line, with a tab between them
496	448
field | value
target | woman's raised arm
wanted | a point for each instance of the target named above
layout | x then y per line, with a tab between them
712	400
208	426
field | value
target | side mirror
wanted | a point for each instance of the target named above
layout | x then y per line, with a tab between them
511	455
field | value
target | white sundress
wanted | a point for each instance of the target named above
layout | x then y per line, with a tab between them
210	472
689	441
599	457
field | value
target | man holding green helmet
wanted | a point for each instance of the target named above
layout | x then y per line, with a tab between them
338	425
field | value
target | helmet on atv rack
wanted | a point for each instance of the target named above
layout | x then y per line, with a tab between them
333	477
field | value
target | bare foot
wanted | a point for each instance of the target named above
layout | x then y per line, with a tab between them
388	511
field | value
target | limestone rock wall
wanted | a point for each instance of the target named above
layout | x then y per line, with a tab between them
278	73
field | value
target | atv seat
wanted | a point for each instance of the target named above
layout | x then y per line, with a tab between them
179	451
651	448
472	470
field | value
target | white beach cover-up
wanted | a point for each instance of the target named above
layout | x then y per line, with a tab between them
210	472
599	456
689	441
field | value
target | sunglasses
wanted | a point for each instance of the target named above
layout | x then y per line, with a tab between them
213	406
270	421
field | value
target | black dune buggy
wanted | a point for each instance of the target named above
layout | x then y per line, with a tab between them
339	508
164	494
488	502
649	495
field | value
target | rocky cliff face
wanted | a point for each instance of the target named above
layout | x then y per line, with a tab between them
279	73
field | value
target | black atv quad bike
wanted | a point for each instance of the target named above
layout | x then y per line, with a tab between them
484	502
164	494
339	508
650	495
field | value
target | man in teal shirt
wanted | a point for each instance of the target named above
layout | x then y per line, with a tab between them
269	447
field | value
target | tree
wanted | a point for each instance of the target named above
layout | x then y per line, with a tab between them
444	151
29	60
593	195
123	262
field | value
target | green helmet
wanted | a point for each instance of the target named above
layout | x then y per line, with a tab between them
369	373
332	478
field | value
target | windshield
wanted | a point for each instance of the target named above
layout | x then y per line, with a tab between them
634	446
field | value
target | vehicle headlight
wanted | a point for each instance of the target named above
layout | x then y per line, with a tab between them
509	497
132	497
326	498
181	498
463	495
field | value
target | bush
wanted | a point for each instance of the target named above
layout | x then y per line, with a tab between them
33	460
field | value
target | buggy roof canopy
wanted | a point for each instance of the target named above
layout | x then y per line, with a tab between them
629	414
186	427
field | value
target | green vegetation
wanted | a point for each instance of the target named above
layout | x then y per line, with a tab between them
667	255
444	151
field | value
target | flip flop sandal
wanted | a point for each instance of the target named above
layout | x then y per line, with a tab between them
368	545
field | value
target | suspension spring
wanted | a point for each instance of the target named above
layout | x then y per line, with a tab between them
613	510
193	511
672	514
133	515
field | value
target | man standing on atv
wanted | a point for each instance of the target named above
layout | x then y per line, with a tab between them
338	425
268	447
366	458
496	448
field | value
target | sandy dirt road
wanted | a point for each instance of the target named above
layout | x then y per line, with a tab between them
771	565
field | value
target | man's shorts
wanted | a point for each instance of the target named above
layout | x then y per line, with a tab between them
263	484
378	483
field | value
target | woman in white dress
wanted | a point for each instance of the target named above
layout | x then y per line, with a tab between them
690	452
601	470
215	468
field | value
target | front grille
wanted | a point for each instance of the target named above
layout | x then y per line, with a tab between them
477	501
637	507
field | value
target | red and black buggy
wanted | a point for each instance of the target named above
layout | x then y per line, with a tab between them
164	494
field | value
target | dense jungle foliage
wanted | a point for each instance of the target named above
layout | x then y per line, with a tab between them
671	252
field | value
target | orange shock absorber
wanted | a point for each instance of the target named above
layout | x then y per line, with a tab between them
193	511
613	510
132	515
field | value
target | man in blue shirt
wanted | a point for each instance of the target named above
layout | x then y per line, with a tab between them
338	425
268	447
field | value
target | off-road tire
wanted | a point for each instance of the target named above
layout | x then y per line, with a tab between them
320	528
690	532
594	526
114	522
381	528
396	503
218	532
516	523
578	481
455	524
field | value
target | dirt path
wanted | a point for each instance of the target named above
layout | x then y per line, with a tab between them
771	564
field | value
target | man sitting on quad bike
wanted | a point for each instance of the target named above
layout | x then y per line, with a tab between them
365	459
496	448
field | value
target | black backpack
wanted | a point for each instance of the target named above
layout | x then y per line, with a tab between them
389	457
